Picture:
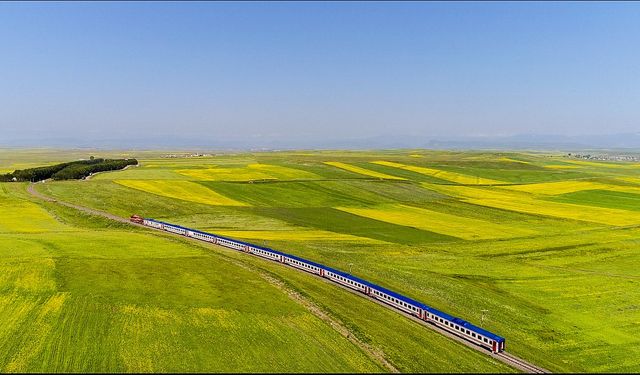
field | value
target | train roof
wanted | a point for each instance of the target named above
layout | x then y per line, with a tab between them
391	293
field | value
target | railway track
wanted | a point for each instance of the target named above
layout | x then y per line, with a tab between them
519	363
504	357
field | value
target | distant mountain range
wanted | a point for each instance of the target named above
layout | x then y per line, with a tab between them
628	141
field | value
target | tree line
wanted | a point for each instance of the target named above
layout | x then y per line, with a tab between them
73	170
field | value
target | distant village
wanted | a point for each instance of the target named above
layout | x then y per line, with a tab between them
605	157
185	155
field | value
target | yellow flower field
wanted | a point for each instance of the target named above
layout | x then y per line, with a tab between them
184	190
512	160
523	202
564	187
603	164
558	166
28	218
293	235
362	171
250	172
225	174
433	221
559	187
634	180
444	175
22	216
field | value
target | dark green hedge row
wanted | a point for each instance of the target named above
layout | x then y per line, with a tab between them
68	171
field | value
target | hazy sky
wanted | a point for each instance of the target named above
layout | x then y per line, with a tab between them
305	70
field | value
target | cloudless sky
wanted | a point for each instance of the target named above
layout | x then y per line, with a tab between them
317	69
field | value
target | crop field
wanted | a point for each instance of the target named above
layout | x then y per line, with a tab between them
80	293
293	235
564	187
362	171
248	173
550	254
183	190
449	176
519	202
451	225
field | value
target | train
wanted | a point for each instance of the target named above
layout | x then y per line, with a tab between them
452	324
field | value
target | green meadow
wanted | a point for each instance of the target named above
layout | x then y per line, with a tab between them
84	294
546	245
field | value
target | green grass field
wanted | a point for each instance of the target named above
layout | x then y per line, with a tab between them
549	246
81	293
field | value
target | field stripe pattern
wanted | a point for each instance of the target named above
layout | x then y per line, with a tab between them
183	190
362	171
522	202
441	174
451	225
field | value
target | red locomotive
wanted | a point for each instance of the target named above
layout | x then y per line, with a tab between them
136	219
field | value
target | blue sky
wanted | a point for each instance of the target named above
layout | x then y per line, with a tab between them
317	70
